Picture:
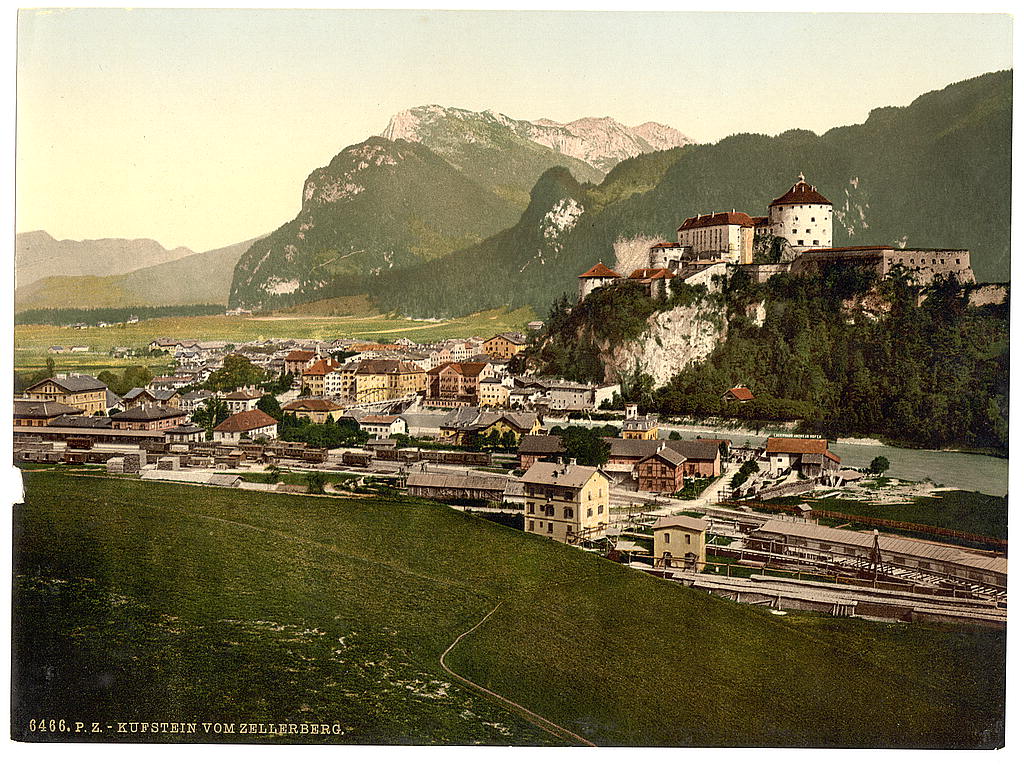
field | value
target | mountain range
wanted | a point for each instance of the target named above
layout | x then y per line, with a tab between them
935	173
38	255
192	278
450	211
438	180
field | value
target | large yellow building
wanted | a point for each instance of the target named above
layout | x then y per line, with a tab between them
506	345
679	542
80	391
386	379
564	502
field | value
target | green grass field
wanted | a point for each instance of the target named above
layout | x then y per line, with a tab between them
961	510
142	601
32	340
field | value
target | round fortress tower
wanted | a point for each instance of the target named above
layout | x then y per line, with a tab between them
802	216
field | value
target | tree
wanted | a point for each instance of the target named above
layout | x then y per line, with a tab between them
269	404
878	465
236	372
211	414
584	444
315	483
675	435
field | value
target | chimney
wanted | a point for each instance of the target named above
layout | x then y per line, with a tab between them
572	460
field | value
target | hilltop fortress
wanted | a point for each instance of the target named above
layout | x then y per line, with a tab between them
795	237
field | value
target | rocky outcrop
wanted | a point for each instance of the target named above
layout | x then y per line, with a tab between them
673	340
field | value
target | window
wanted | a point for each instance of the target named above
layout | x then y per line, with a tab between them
590	511
815	241
568	512
807	231
687	539
529	509
794	231
668	537
958	261
600	509
799	241
551	528
812	220
531	526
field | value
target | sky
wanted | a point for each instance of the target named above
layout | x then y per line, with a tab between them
197	128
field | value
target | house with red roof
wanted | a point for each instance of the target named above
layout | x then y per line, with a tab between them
739	394
598	276
810	456
252	424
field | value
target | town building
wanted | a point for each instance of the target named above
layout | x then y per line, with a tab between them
296	361
727	236
456	384
140	396
81	392
662	472
680	542
386	380
810	540
32	412
493	392
506	345
148	417
313	376
468	425
539	447
810	456
454	487
921	265
185	433
251	423
634	426
314	409
381	425
565	502
243	400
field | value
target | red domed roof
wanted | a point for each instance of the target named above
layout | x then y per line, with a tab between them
802	193
600	271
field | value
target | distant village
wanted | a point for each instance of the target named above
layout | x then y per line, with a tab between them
460	422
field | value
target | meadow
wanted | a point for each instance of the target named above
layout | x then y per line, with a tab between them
158	602
32	340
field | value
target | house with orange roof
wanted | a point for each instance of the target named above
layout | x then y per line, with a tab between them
810	456
598	276
740	394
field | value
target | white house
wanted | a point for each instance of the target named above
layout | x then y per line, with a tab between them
253	424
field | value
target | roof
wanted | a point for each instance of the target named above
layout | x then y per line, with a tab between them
157	395
666	245
741	393
517	338
651	273
387	366
300	356
78	422
146	413
681	522
890	544
185	429
320	367
72	383
223	480
464	368
377	419
668	455
518	420
801	193
31	408
311	405
796	445
555	474
457	481
242	395
632	447
718	219
600	271
536	444
760	220
243	422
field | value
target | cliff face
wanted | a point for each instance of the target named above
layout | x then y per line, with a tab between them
673	340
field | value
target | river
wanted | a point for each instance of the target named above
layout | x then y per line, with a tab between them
971	472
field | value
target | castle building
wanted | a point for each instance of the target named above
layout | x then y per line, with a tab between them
727	236
711	245
802	217
598	276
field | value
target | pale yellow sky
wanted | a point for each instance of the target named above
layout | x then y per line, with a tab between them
197	128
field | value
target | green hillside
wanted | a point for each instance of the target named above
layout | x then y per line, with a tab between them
378	205
202	277
186	603
932	174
